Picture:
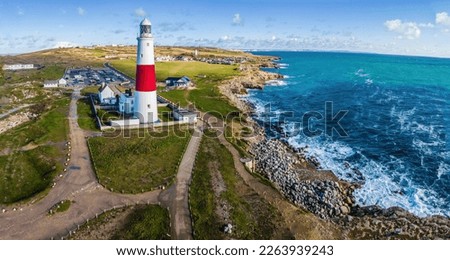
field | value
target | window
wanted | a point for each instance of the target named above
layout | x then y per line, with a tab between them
148	105
148	44
142	55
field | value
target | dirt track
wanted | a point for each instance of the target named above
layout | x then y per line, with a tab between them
79	184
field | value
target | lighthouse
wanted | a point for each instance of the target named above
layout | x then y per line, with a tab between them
145	104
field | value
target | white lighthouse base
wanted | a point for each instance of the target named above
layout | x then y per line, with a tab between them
146	107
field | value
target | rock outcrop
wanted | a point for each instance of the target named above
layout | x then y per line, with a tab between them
322	195
332	199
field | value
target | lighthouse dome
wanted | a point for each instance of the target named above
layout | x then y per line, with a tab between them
146	22
146	28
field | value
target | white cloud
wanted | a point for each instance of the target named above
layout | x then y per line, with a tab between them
140	12
81	11
426	25
237	20
443	19
407	30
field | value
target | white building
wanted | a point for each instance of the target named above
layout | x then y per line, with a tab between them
62	82
18	66
185	116
51	83
178	82
126	103
108	94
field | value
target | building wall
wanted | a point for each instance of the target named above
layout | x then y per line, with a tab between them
126	104
107	93
62	82
18	66
50	85
185	118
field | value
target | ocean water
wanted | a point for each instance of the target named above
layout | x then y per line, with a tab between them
396	139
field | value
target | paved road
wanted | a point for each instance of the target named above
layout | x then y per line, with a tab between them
179	205
79	184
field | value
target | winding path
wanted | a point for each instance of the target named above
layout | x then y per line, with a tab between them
11	111
302	225
79	184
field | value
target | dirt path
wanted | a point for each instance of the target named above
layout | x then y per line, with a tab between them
79	184
9	112
302	224
177	196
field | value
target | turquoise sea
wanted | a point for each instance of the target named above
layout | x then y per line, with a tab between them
396	139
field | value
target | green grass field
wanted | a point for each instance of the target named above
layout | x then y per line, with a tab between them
49	72
206	96
85	118
165	114
52	126
139	222
154	156
206	224
252	217
146	223
177	95
89	90
26	173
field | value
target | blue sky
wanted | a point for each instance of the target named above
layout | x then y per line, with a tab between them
397	27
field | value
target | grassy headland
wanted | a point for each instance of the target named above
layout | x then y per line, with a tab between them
154	156
32	152
218	196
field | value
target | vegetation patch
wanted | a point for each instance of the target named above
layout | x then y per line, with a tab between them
32	153
177	95
146	223
27	173
59	207
250	215
49	72
51	126
206	224
85	118
137	222
165	114
138	161
89	90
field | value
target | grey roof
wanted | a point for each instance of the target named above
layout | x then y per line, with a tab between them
185	79
146	22
51	82
113	88
185	112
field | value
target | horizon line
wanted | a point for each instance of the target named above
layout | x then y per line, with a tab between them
236	49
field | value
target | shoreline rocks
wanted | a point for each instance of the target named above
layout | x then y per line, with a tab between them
317	191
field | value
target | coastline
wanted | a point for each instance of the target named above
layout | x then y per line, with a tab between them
320	192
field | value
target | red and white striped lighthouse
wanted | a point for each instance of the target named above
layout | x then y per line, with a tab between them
145	103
